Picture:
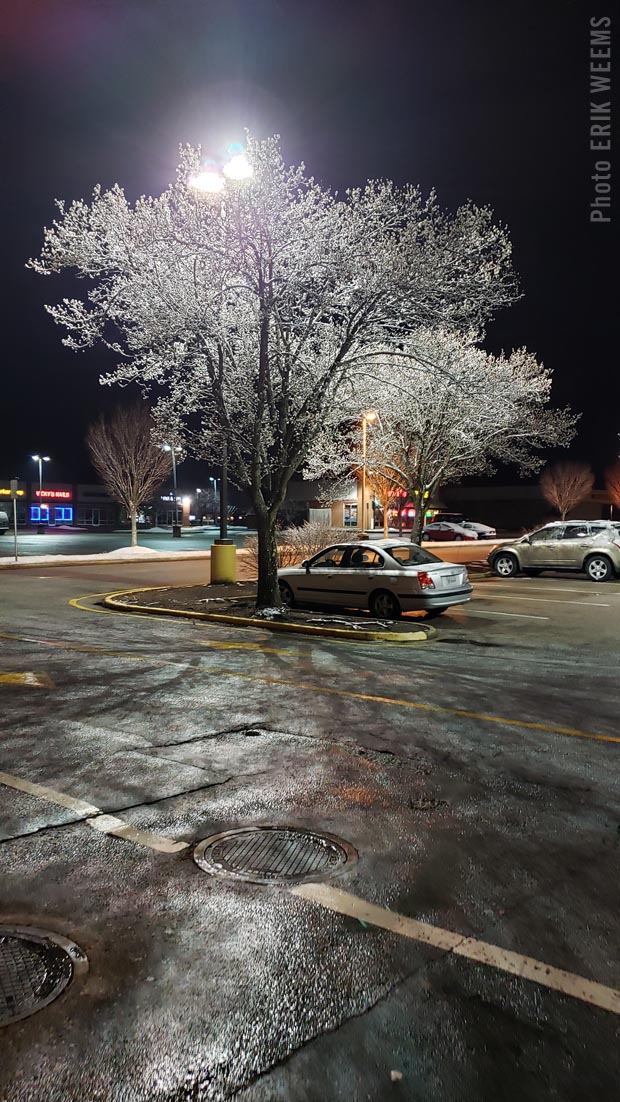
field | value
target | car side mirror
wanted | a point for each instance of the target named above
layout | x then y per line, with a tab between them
306	564
526	539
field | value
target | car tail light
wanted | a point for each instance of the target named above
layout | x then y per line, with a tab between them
425	581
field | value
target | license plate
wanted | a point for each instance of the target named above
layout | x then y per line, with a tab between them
451	579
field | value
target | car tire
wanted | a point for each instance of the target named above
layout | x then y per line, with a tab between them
457	537
431	613
505	565
532	572
384	605
424	538
287	595
598	568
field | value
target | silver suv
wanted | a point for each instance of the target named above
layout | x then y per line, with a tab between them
590	546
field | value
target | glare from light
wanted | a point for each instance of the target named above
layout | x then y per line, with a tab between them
238	168
371	416
186	502
41	458
208	181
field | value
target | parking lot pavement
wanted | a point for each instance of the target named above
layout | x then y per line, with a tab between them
477	783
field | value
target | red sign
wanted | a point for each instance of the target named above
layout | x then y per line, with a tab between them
55	495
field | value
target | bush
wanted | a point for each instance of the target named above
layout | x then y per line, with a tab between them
297	544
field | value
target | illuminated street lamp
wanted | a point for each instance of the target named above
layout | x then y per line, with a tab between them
211	182
370	416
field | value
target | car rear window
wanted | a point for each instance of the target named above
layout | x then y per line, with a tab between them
411	554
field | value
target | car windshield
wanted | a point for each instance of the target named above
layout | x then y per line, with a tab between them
410	554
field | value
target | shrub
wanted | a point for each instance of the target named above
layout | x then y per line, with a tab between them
297	544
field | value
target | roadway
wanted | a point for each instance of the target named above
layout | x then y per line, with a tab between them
476	776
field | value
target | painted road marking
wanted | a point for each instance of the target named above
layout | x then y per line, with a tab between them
96	818
530	584
326	689
482	952
461	712
512	615
243	646
540	600
29	679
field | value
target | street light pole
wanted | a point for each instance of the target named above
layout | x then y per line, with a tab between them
176	527
211	182
365	419
41	459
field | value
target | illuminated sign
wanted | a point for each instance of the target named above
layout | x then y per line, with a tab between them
5	492
55	495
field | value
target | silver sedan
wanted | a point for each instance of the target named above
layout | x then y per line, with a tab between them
386	576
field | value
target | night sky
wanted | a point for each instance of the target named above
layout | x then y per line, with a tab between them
481	100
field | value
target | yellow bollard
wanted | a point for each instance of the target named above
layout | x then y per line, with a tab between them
223	563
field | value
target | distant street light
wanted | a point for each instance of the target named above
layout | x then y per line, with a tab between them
40	459
371	416
214	481
169	448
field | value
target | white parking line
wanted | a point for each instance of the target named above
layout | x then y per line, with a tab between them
540	600
567	983
512	615
531	585
105	824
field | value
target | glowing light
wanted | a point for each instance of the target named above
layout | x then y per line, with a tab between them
55	495
5	492
208	181
370	416
238	168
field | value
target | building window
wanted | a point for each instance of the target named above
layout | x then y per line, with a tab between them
63	514
39	514
350	515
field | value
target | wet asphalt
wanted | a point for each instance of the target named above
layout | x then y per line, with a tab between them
471	774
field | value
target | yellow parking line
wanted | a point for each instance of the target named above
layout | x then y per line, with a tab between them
482	952
29	679
214	645
397	702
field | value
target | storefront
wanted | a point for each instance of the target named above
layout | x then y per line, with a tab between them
51	505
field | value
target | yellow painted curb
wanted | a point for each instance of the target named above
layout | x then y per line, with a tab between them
112	601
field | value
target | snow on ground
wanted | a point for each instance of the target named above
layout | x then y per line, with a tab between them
134	553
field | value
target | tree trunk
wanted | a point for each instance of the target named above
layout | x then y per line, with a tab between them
417	499
267	592
385	504
134	527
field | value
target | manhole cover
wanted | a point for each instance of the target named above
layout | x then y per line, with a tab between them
273	855
35	966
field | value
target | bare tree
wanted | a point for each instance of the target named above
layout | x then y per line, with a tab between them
129	464
566	484
612	484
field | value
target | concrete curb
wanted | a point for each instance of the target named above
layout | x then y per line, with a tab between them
112	601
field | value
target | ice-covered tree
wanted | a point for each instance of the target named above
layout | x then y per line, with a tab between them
250	308
566	484
129	463
460	411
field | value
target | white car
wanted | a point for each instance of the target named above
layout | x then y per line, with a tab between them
387	576
483	531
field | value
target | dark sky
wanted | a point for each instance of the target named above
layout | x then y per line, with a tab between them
481	100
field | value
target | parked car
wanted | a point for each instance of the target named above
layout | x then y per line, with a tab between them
386	576
483	531
4	522
589	546
446	530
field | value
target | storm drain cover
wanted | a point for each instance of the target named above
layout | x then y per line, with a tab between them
273	855
35	967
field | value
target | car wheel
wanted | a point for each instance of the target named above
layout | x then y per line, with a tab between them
532	572
598	568
431	613
505	565
287	595
384	605
457	537
424	538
